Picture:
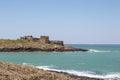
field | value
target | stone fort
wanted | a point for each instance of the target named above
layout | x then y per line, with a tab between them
42	39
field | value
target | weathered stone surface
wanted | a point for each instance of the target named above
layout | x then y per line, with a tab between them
9	71
44	39
61	43
29	38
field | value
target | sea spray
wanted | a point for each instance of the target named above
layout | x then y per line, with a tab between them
93	50
109	76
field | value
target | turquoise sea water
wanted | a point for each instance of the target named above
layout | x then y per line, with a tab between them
102	61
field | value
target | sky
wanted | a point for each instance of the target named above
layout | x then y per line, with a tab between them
73	21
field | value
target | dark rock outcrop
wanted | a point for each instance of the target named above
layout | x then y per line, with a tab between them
22	49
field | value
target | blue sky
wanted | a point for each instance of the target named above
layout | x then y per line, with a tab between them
74	21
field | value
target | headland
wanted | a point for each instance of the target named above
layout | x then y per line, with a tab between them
29	43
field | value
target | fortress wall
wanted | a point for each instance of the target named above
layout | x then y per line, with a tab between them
29	38
57	42
44	39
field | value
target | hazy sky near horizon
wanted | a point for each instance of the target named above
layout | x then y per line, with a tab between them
74	21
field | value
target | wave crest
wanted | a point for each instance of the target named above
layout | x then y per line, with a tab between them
110	76
93	50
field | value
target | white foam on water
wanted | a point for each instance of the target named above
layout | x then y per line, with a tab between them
93	50
110	76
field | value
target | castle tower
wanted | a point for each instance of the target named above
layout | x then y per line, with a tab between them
44	39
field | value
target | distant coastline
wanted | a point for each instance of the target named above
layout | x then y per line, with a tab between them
29	43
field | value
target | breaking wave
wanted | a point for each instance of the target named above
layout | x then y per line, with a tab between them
93	50
110	76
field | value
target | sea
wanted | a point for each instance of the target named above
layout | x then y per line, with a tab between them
101	61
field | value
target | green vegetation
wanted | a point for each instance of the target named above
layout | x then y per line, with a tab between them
23	43
32	45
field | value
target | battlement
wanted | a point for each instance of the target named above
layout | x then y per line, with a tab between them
43	40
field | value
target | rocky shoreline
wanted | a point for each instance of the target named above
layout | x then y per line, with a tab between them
31	49
28	43
9	71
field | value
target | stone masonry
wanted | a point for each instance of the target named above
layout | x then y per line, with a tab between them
43	40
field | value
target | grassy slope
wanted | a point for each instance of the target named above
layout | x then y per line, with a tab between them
22	43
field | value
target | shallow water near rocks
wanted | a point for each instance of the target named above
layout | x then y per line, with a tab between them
102	61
